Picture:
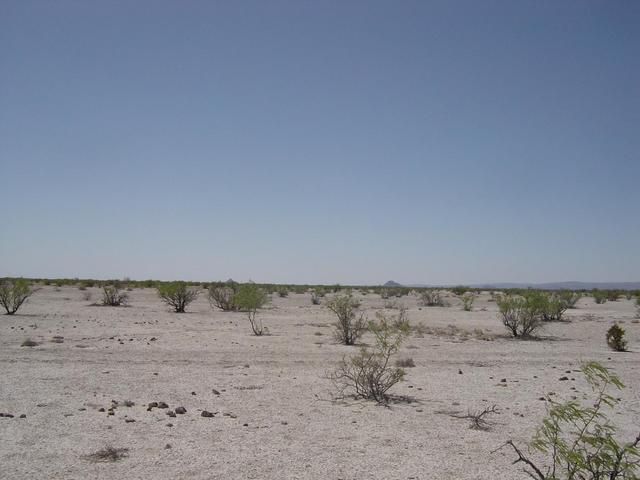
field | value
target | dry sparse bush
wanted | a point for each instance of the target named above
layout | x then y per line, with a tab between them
369	374
283	292
177	295
478	418
113	297
222	296
405	363
109	454
580	442
315	298
431	297
615	338
13	293
351	324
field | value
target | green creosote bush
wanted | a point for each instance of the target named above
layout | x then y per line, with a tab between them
467	301
519	316
580	442
351	324
13	293
283	292
177	295
223	295
569	297
249	299
113	297
370	374
615	338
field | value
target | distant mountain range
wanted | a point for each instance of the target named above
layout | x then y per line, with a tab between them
541	286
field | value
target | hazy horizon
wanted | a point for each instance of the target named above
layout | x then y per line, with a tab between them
292	142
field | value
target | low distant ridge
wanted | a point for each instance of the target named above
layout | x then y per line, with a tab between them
391	283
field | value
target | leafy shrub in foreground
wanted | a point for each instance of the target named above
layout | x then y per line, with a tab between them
13	293
250	298
615	338
579	441
351	324
519	316
177	295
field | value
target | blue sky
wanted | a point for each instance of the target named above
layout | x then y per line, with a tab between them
351	142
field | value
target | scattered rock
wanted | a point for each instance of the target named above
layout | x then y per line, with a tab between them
129	420
23	416
207	414
563	379
153	405
171	413
169	425
245	424
215	392
162	405
168	446
459	372
504	380
181	410
101	409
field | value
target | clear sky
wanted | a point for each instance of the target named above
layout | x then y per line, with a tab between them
347	141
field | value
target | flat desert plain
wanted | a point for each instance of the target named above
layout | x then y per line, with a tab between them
275	415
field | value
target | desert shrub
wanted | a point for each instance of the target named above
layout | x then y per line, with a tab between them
177	295
112	296
405	363
13	293
401	320
283	292
578	441
615	338
385	293
390	303
29	343
549	307
519	316
351	324
109	454
369	374
315	298
599	296
430	297
569	298
223	296
249	299
459	290
467	301
478	419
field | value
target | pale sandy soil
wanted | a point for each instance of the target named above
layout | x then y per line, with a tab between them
283	422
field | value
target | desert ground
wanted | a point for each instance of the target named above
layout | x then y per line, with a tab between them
275	413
